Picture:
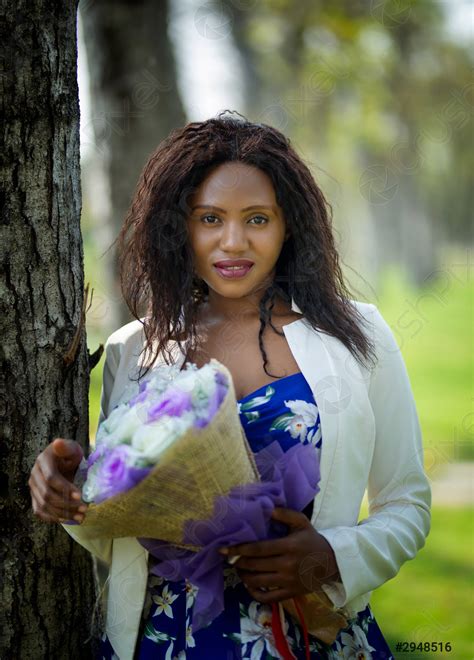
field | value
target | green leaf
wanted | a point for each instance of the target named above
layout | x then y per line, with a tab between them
252	416
258	400
280	423
156	635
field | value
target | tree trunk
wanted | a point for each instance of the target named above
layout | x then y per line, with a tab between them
47	583
135	104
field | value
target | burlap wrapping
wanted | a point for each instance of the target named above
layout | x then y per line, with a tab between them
202	465
321	618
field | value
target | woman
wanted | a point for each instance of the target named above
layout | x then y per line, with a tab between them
228	252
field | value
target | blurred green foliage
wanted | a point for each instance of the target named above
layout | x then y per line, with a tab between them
358	85
434	329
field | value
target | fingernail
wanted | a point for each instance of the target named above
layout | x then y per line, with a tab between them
234	559
82	508
75	495
224	551
78	518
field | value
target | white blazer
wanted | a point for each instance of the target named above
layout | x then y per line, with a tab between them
371	440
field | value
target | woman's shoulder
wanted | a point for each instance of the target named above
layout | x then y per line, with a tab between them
365	309
127	338
129	331
375	323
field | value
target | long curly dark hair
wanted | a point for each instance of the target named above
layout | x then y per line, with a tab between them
156	261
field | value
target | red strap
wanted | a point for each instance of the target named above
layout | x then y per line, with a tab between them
281	643
303	625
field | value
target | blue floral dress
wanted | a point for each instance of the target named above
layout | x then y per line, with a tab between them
285	411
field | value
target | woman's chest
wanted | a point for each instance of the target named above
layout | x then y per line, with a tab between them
240	351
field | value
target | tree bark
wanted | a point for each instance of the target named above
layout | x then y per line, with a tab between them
47	583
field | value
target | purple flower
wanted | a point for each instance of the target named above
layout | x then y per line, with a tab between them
96	454
174	403
215	401
201	422
141	396
138	398
221	379
117	474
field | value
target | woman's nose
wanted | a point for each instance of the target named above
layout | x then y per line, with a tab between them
233	237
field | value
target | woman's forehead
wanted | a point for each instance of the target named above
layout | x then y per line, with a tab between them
234	178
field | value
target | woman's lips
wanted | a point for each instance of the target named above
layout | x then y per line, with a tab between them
233	272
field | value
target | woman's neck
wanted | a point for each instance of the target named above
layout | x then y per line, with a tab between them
239	309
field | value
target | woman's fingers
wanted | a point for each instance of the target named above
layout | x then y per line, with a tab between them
262	580
47	462
269	548
270	596
56	488
68	455
40	511
269	580
54	497
49	503
262	565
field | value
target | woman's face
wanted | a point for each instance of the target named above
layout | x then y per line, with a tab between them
234	220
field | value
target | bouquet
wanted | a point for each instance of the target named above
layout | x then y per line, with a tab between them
173	467
161	457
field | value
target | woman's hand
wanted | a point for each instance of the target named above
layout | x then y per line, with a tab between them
53	495
278	569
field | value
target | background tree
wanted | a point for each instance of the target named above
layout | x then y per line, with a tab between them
135	104
46	584
376	96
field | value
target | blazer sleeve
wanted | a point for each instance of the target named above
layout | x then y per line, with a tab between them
102	548
373	551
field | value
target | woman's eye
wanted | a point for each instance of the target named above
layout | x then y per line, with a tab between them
209	219
259	217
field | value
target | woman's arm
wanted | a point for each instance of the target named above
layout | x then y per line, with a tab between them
373	551
86	536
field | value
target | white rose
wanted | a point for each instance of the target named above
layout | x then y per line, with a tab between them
121	424
151	440
110	424
186	380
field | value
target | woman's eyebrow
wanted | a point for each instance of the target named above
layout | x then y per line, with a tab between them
247	208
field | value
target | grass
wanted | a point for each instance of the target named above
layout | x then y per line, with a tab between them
434	327
431	599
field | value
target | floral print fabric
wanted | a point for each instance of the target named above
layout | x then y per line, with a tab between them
285	411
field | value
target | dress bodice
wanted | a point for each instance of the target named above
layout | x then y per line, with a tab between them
285	411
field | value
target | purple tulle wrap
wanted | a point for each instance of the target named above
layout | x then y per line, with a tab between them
288	479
